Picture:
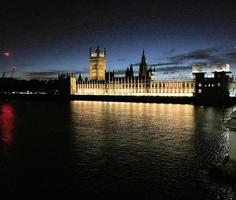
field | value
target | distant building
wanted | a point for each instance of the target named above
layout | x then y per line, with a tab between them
109	76
129	73
210	82
172	74
141	85
67	84
97	64
232	87
214	86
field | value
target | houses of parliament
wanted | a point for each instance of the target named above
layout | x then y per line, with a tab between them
146	81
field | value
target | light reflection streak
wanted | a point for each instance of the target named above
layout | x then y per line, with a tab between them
7	122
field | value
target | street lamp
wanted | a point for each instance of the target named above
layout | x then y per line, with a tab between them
7	55
13	71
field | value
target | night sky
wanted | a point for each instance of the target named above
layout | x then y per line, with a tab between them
47	38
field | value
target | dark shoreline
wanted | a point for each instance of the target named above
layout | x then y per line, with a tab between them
139	99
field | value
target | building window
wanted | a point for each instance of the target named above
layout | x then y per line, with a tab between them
199	90
218	84
199	85
94	67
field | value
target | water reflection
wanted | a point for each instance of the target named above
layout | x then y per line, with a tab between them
163	129
114	150
210	133
158	147
7	122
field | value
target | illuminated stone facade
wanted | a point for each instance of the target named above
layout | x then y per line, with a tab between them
134	87
142	85
97	64
73	87
145	85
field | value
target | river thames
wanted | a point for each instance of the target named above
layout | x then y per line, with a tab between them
111	150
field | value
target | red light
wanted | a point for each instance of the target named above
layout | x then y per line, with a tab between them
7	54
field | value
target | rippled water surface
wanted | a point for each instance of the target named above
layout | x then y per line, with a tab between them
105	150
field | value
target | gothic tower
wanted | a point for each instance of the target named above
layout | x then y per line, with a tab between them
97	64
143	67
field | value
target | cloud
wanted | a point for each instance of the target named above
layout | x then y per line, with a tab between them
164	64
25	65
122	59
230	57
44	73
171	51
51	73
210	55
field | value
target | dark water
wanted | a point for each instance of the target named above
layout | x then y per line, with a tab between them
103	150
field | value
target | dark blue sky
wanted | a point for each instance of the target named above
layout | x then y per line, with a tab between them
46	38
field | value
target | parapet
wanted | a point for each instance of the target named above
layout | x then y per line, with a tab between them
97	52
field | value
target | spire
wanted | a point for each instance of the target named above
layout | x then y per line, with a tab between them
97	50
127	72
80	77
143	67
104	51
131	71
131	67
143	60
